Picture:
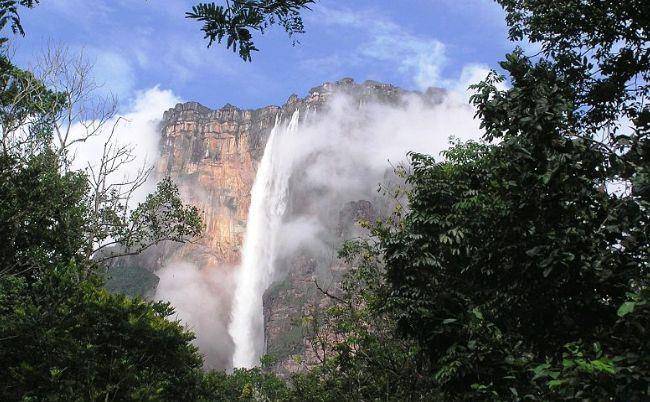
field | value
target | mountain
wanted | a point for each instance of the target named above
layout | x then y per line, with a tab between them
213	156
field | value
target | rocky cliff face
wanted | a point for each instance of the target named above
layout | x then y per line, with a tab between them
213	157
213	154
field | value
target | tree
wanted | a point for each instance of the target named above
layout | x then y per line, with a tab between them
63	338
37	235
506	267
601	46
247	385
514	267
54	110
81	113
9	15
27	109
238	19
360	354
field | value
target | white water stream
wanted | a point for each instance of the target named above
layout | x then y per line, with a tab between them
268	204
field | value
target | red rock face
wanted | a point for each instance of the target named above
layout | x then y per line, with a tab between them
212	155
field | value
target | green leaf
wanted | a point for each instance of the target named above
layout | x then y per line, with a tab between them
604	365
541	371
625	309
567	363
555	383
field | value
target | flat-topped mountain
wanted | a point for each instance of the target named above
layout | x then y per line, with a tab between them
213	155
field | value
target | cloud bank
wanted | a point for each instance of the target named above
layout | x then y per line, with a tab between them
138	127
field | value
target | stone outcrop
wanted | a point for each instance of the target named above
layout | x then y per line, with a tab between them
212	155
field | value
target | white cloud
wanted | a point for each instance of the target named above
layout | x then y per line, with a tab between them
470	74
420	59
138	127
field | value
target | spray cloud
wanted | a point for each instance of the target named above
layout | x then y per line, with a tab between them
310	170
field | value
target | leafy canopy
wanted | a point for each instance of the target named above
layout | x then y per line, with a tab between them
62	337
9	15
239	19
516	271
67	339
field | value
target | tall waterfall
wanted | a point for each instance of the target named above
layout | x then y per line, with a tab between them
268	204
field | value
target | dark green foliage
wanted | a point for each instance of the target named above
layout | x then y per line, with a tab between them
514	269
42	215
162	216
505	264
601	47
42	210
364	357
9	15
132	281
62	337
246	385
31	171
65	339
25	105
515	273
238	19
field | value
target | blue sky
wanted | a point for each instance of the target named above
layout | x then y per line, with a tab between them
140	44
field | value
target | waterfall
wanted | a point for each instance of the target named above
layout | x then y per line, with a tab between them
268	204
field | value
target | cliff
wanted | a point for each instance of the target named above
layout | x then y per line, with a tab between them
300	293
213	156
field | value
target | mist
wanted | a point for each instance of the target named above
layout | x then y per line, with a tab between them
338	154
333	157
199	297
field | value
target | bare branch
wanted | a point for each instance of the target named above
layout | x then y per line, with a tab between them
327	293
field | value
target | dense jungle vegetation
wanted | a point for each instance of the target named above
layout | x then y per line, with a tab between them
517	270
